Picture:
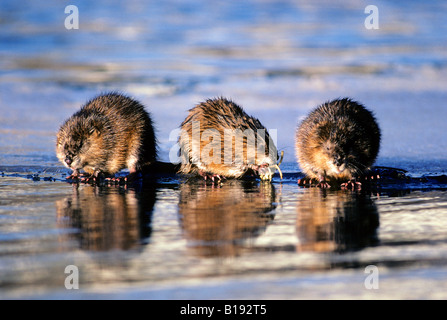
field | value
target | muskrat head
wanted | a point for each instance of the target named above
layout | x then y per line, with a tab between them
335	149
79	146
342	159
336	157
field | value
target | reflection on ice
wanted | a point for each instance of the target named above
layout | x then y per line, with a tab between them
217	219
335	221
107	218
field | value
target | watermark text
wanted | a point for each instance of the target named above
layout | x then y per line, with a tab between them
372	20
72	280
72	20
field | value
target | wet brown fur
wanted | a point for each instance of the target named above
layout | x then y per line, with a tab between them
337	134
109	133
220	114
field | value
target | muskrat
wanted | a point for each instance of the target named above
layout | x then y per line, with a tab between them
223	157
109	133
339	140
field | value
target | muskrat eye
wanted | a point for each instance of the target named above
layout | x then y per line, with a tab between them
74	148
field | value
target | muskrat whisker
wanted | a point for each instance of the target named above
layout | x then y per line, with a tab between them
357	166
277	167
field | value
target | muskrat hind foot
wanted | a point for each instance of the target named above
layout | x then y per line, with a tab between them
372	178
215	178
351	185
305	182
309	183
323	185
115	180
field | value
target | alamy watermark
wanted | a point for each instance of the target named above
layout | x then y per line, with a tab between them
72	280
72	20
372	280
372	20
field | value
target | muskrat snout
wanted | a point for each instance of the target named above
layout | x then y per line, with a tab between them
340	168
339	163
